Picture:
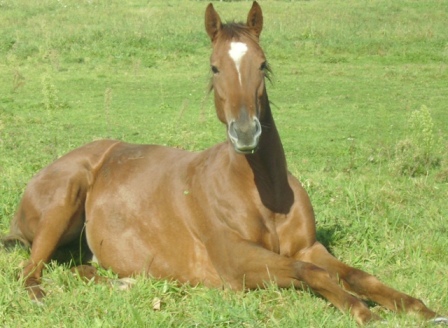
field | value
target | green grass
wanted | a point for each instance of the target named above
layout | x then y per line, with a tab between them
358	88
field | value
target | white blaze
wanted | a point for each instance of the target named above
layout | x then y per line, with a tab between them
237	52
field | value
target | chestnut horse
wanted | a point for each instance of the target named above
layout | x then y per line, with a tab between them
231	215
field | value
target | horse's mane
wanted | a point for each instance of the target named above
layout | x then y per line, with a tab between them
234	30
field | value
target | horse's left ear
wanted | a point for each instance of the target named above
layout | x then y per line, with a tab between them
255	19
212	22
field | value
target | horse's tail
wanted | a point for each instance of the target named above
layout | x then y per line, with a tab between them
15	236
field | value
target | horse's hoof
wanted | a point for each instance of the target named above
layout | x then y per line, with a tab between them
38	302
36	294
124	283
439	321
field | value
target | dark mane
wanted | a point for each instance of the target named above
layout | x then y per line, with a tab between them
235	30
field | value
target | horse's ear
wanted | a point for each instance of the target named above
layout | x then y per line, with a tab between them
212	22
255	19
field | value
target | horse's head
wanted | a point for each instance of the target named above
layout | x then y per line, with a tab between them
239	66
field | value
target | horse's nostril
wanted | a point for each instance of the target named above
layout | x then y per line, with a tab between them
232	131
257	127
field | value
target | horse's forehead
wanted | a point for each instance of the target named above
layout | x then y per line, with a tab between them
237	51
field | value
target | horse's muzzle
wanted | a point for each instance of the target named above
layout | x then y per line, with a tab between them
245	135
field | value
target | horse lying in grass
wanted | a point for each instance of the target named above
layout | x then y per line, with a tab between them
231	215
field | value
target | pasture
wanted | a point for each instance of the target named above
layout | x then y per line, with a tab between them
359	96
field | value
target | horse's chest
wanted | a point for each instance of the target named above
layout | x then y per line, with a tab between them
255	226
268	234
270	241
244	218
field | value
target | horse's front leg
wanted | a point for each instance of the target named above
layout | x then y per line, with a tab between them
243	264
366	285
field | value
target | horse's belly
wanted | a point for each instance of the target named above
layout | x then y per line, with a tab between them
168	252
138	224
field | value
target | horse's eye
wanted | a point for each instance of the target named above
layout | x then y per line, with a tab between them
215	69
263	66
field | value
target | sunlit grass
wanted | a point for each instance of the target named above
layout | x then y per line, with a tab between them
348	76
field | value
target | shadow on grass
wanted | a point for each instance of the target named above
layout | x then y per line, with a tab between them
72	254
327	236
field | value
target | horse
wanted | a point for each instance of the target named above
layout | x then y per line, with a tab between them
229	216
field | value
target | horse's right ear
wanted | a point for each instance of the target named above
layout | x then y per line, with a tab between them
212	22
255	19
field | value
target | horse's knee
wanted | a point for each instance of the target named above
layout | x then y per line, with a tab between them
315	277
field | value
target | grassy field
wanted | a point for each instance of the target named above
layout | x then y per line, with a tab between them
360	98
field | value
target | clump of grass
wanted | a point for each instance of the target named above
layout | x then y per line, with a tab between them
52	104
18	80
107	109
442	176
49	93
1	138
417	154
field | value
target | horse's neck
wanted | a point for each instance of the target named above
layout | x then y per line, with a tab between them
269	166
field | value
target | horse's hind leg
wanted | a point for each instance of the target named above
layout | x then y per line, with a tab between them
53	229
51	214
52	210
364	284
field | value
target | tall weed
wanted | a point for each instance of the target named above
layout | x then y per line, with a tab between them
49	93
419	152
